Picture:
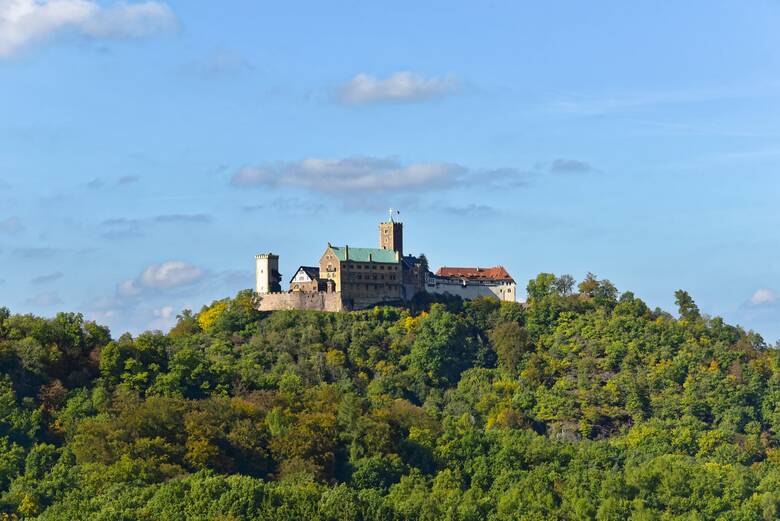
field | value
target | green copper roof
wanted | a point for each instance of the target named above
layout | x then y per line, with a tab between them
362	254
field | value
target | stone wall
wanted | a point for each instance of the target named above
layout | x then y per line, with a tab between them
472	289
314	301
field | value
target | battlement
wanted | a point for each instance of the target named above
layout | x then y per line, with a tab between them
310	300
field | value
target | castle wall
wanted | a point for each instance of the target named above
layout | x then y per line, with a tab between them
314	301
472	289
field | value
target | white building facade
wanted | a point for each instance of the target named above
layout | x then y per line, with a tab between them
471	283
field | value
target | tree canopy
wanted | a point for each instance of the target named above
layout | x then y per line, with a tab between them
583	404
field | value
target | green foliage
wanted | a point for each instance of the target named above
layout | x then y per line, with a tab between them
579	405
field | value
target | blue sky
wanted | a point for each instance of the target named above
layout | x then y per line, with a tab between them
149	150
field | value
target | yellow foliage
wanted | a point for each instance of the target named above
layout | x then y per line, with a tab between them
28	507
209	316
710	440
773	455
506	388
335	358
410	323
612	390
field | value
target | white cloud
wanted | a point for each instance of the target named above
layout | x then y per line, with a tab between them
129	288
25	22
355	174
403	86
162	319
164	312
161	277
764	296
170	275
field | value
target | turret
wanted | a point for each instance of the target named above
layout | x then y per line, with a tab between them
267	273
391	235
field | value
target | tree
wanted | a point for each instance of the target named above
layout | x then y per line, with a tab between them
600	409
602	292
510	342
186	325
441	349
541	286
686	306
5	314
564	285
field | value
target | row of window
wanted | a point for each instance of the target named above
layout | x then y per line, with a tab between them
356	286
375	277
371	266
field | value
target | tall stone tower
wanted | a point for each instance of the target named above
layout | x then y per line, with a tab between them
391	235
267	273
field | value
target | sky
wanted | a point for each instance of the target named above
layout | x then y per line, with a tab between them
149	150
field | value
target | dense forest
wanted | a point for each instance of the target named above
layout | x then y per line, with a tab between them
582	404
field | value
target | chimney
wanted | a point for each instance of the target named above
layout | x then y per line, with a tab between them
346	252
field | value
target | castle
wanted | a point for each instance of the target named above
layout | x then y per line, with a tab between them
350	278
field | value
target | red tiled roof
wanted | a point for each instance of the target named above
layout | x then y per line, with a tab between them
494	273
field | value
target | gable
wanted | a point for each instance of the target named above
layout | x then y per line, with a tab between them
305	274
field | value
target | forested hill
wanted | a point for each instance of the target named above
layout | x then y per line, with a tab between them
583	405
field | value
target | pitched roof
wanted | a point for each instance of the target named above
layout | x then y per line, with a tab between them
312	271
362	254
494	273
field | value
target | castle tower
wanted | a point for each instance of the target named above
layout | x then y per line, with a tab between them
267	273
391	235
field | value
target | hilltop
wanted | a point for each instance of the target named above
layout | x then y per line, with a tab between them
582	404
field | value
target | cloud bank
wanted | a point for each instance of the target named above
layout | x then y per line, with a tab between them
350	175
161	277
26	22
403	86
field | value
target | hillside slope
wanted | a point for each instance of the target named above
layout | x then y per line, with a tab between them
581	405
